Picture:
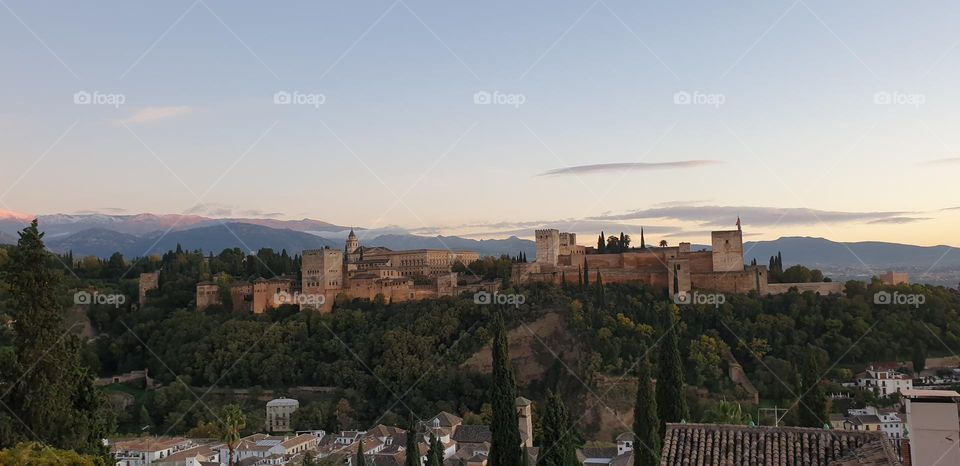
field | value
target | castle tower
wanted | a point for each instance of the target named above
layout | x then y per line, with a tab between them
525	413
352	243
727	250
548	246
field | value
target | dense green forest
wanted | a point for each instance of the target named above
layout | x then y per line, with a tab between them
372	353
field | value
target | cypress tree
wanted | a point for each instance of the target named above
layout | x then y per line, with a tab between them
505	425
601	297
623	242
643	242
586	274
360	459
813	401
579	277
646	425
413	451
558	448
601	244
435	453
671	401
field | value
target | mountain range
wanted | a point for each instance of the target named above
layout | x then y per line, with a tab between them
144	234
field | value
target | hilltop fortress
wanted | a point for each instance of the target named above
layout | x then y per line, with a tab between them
678	269
355	272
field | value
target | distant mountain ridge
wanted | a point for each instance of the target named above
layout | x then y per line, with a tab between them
215	238
57	225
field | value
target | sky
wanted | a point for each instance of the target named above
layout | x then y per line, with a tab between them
803	118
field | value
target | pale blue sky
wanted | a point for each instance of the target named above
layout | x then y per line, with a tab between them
798	126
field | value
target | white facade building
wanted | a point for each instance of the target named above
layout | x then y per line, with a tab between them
886	382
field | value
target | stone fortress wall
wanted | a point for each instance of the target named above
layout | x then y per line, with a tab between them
678	269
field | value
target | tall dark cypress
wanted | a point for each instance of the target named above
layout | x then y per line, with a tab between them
646	424
586	274
813	402
601	296
435	453
671	400
643	242
361	461
412	450
505	425
558	448
601	244
623	242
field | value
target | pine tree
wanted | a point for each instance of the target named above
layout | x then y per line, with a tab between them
413	451
671	400
361	461
646	425
50	390
558	448
505	425
813	401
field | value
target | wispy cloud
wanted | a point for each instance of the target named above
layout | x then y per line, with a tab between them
154	114
725	216
898	220
211	209
215	209
940	162
951	208
621	167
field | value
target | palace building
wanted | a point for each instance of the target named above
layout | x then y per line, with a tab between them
355	272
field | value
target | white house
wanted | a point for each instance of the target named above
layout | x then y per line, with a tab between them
886	382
